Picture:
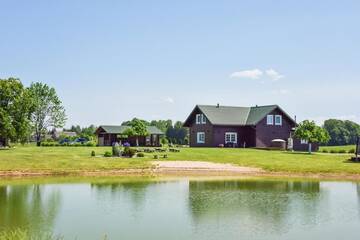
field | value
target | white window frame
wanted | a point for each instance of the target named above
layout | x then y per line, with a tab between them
203	119
232	137
278	117
198	137
200	118
270	119
304	141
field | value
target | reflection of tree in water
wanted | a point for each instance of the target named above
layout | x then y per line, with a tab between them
135	190
28	207
266	202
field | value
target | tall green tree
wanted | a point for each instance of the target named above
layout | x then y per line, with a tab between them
342	132
309	131
15	110
137	128
47	110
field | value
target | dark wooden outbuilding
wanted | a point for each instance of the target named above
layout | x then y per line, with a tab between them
107	135
228	126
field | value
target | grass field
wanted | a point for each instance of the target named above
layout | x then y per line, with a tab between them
71	159
337	148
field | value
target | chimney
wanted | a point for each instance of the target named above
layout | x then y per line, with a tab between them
295	118
217	105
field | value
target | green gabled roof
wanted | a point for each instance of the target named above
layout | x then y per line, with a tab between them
121	129
236	116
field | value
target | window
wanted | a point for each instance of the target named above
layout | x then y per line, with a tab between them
200	118
231	137
278	120
304	141
200	138
270	120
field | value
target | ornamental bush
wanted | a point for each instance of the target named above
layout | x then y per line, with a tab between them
107	154
129	152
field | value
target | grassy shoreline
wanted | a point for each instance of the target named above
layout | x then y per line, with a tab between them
77	161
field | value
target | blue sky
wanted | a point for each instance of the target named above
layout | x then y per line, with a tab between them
114	60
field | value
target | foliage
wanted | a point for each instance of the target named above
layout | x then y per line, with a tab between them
342	132
83	132
135	121
129	152
15	110
47	109
163	140
308	130
107	154
140	154
116	151
137	128
163	125
93	154
177	134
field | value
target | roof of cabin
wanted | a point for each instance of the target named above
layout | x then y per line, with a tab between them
121	129
239	116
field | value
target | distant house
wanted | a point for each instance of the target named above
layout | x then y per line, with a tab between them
107	135
257	127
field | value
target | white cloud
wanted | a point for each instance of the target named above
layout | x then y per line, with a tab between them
274	75
251	74
168	99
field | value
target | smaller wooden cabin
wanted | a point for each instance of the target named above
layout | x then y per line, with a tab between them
107	135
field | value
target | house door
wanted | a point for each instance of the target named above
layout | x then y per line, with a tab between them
231	138
101	141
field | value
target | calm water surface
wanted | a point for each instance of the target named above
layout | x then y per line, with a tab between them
185	209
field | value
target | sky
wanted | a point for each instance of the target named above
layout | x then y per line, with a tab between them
110	61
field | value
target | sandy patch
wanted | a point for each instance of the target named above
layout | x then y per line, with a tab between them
197	166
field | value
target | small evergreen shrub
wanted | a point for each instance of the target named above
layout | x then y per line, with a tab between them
342	151
351	150
129	152
116	150
93	153
107	154
325	151
333	151
156	156
140	154
90	144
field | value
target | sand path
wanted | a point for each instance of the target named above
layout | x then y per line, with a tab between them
198	166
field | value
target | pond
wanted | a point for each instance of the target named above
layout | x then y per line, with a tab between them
183	209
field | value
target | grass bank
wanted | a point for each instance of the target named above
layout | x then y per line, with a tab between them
62	160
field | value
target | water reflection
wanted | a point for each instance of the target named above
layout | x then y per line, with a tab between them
27	206
265	203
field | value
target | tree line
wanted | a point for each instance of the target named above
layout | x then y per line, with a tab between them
27	111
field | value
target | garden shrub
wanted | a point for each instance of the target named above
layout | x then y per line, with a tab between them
325	151
342	151
140	154
93	153
116	150
156	156
333	151
90	144
107	154
129	152
351	150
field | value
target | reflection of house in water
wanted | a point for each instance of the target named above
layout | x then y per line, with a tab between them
28	207
267	203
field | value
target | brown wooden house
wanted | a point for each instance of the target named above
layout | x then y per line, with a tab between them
256	127
107	135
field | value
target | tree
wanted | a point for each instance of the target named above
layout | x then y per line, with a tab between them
342	132
47	110
137	128
15	110
308	130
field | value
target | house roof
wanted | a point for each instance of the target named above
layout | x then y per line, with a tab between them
237	116
121	129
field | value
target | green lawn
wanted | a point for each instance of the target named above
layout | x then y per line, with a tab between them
68	159
337	148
